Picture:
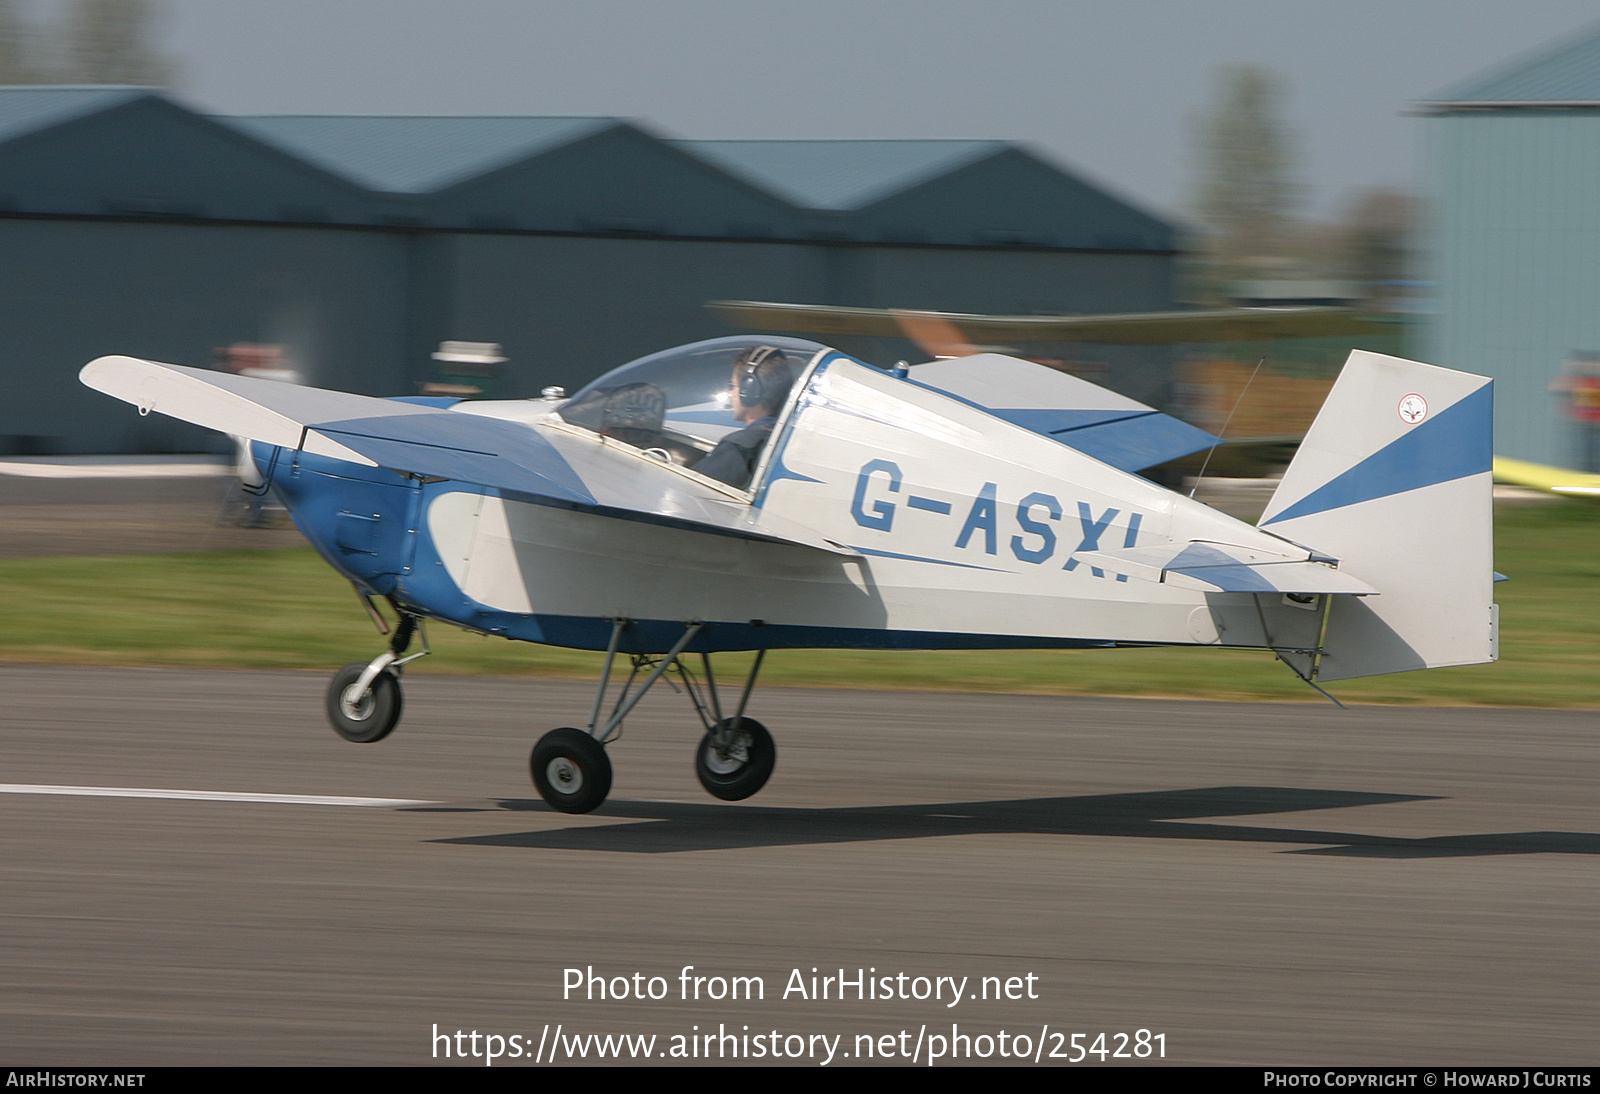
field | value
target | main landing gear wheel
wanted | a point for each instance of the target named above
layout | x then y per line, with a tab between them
571	770
741	764
370	716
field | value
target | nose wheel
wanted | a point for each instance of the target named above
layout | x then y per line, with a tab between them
363	715
571	770
363	701
735	759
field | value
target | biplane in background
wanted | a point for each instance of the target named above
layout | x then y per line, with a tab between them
943	335
959	334
979	502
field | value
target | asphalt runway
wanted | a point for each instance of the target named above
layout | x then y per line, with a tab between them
1260	884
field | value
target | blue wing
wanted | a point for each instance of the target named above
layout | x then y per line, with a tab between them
470	448
433	442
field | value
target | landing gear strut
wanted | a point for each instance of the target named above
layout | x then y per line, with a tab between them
364	701
734	759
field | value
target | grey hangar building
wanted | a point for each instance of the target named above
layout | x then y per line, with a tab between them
1514	245
132	224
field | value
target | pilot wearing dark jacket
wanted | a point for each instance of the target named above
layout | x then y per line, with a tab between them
760	384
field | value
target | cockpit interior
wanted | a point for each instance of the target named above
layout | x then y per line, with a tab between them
678	404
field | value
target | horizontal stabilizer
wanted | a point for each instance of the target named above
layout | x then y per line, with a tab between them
1227	568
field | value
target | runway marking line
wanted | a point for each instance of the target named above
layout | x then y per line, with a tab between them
205	795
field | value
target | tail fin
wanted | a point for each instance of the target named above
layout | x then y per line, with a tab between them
1394	481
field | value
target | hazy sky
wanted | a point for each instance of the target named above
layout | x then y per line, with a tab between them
1109	87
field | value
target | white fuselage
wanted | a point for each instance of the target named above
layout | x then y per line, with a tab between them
957	523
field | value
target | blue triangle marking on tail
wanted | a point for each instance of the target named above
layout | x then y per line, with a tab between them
1455	443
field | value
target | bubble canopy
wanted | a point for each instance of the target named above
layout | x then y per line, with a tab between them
677	400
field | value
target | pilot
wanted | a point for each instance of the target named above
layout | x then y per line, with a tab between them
760	384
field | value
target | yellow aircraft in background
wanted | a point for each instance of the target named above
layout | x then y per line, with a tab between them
1557	480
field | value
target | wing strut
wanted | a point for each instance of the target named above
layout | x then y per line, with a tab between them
1223	432
625	703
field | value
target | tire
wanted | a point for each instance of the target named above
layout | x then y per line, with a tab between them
571	770
746	767
370	718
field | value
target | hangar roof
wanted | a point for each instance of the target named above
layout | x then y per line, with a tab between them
414	155
1564	74
74	151
28	109
839	175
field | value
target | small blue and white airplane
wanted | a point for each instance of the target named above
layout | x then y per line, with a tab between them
979	502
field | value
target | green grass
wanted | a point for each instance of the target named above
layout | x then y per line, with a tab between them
286	609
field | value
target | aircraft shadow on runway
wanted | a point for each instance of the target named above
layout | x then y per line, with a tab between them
669	826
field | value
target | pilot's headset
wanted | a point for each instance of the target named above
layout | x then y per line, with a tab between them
754	389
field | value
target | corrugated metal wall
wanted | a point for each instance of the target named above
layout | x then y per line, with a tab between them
147	229
1514	242
75	290
360	310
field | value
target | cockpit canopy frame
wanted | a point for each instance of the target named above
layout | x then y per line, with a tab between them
677	404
